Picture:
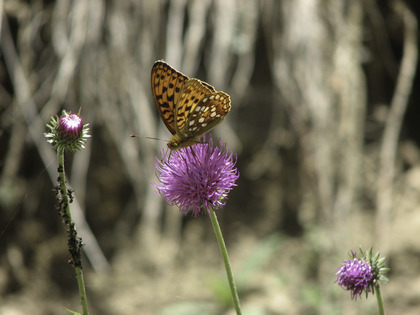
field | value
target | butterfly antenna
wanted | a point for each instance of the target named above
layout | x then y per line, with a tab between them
151	138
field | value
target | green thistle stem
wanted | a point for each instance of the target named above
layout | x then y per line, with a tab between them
379	299
65	199
82	290
63	187
223	250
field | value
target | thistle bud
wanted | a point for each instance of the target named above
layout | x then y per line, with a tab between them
67	132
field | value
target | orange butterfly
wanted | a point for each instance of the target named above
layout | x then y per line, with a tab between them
188	107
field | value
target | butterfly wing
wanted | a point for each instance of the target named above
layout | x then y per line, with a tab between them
199	109
167	84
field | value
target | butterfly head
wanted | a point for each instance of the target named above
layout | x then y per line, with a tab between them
177	142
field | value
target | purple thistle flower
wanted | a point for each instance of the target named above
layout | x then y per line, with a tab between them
362	274
197	177
355	275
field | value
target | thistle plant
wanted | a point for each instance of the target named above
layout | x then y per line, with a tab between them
199	178
68	134
362	274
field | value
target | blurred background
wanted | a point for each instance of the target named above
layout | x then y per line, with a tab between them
324	122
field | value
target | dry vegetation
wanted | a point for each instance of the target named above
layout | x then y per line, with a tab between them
324	120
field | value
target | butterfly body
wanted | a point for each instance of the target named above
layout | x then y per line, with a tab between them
188	107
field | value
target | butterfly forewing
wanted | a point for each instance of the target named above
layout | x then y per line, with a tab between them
167	84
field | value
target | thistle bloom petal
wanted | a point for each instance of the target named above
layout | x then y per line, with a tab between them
70	126
355	275
197	177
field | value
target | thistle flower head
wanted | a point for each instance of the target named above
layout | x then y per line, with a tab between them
67	132
197	177
362	273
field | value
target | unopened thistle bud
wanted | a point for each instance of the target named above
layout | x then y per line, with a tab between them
67	132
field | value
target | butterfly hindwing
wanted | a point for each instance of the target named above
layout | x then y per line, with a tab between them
208	114
167	84
200	108
192	93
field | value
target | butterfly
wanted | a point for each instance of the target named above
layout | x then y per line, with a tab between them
189	107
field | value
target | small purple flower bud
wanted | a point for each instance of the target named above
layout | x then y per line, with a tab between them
70	127
197	177
67	132
362	274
